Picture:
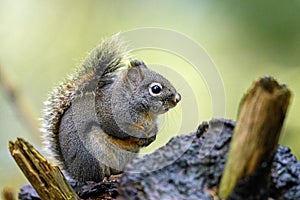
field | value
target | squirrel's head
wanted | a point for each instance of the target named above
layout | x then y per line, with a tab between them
149	90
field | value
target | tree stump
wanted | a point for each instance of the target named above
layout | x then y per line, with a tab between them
191	166
260	118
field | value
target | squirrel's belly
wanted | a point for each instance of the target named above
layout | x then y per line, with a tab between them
89	158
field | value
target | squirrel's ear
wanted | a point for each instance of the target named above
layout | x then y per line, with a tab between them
137	63
135	73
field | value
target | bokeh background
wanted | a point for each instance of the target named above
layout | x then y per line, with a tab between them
42	41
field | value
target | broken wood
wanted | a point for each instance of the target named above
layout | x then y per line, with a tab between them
190	166
195	174
260	118
47	179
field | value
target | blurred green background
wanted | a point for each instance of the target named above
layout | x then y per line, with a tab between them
42	41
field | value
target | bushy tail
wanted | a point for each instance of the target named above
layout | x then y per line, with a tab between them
100	66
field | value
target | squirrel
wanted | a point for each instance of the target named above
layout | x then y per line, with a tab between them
96	121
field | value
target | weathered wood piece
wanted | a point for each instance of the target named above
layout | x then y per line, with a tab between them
190	166
260	118
47	179
195	174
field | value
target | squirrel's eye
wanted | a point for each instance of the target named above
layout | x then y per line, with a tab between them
155	89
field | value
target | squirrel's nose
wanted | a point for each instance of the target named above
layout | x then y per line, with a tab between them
177	97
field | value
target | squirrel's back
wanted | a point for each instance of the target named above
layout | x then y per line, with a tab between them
102	63
97	120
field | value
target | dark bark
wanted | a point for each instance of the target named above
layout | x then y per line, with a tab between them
190	166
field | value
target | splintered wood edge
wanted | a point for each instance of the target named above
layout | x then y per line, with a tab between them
47	180
260	117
